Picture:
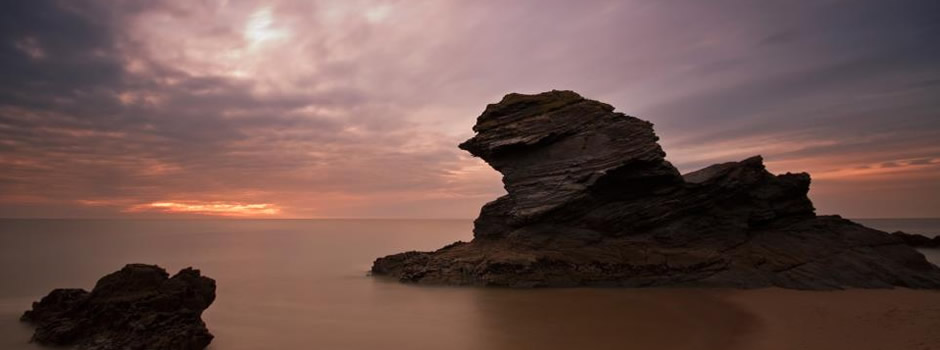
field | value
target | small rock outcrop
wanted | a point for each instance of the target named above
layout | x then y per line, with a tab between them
916	240
591	201
138	307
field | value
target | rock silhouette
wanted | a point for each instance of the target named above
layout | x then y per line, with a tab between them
138	307
916	240
592	202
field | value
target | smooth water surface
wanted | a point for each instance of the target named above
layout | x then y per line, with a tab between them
302	284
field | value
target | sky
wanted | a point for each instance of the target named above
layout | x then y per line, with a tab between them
354	108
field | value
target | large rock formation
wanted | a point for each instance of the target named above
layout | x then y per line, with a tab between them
592	201
138	307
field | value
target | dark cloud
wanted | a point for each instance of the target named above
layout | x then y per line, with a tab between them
780	38
342	109
69	136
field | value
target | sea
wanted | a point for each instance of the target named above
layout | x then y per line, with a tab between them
303	284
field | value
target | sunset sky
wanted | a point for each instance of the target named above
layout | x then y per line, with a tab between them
347	108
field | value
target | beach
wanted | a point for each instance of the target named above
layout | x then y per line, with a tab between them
849	319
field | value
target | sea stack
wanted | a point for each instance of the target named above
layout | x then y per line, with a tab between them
138	307
592	202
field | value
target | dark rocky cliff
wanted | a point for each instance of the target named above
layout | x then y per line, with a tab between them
592	201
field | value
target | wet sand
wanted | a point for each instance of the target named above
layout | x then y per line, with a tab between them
611	319
764	319
850	319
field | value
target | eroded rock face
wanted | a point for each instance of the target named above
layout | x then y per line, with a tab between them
551	148
138	307
592	201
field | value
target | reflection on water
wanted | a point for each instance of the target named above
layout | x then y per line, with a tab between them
299	284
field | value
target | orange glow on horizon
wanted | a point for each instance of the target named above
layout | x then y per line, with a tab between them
208	208
820	168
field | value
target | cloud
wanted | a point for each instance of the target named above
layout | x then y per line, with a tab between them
354	108
208	208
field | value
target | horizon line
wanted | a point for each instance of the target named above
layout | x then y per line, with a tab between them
352	218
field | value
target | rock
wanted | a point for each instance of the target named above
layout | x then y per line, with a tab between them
591	201
916	240
138	307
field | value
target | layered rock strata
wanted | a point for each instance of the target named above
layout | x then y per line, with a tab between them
591	201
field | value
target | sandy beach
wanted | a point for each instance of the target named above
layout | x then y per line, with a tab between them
762	319
850	319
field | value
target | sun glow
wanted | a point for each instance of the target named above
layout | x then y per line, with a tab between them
208	208
378	13
260	28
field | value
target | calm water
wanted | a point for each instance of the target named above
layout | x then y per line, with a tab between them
300	284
